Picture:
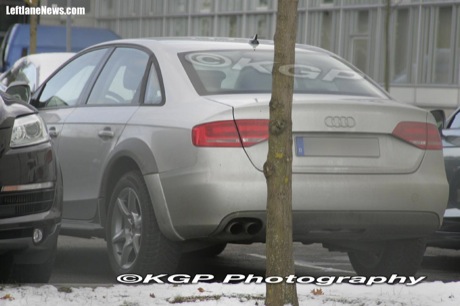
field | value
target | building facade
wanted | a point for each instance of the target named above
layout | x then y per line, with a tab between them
424	34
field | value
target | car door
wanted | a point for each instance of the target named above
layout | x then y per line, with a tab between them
91	131
63	92
61	95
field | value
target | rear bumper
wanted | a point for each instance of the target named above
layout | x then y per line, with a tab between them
336	226
200	202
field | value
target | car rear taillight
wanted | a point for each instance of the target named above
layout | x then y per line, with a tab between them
422	135
229	133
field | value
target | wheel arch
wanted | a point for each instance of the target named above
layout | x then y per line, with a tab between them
130	155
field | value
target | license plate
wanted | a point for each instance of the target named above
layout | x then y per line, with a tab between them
337	146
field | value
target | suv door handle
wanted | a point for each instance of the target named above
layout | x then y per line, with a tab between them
52	132
106	133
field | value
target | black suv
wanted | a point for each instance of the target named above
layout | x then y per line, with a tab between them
30	195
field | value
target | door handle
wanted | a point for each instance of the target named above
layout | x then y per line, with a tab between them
106	133
53	132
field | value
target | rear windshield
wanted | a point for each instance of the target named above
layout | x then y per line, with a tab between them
243	71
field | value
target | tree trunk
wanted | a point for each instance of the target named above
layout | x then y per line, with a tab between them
33	28
387	46
278	167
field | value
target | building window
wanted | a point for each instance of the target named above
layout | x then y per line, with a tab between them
400	55
260	24
230	5
129	9
202	26
301	27
457	51
263	4
178	26
360	53
229	26
443	56
177	6
153	8
203	6
360	40
152	27
260	5
362	22
107	8
326	30
437	59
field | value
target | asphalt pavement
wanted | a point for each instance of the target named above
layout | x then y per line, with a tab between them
84	262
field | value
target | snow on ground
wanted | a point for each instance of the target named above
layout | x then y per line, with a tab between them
425	294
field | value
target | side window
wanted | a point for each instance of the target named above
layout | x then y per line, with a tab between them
119	83
455	123
153	93
66	86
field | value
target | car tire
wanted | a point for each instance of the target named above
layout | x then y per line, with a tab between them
135	243
394	257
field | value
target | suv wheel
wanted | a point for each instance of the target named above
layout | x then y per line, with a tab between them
134	241
395	257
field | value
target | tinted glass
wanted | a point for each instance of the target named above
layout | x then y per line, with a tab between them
235	71
66	86
120	80
455	122
153	92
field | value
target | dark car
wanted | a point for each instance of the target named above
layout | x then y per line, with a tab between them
448	236
30	195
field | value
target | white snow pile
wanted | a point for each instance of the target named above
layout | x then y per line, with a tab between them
425	294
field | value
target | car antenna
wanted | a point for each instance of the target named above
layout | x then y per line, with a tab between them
254	42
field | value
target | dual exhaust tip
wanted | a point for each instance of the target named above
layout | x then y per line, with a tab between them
244	227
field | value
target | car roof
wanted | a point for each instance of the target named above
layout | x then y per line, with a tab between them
186	44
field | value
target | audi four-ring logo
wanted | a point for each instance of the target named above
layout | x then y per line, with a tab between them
339	121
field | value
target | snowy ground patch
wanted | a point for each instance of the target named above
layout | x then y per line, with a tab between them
426	294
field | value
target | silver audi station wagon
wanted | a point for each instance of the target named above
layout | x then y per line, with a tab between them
162	144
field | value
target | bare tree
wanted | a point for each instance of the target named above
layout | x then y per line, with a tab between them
388	10
278	167
33	27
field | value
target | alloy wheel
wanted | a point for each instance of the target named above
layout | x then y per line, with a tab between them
126	228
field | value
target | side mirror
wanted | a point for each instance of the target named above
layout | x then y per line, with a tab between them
19	90
440	118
